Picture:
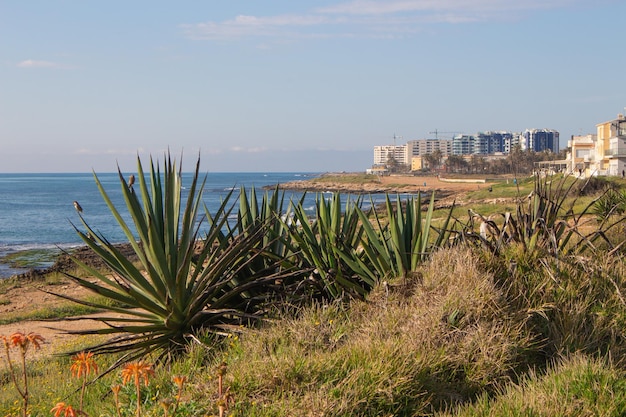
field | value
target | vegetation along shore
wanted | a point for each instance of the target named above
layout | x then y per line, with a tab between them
494	297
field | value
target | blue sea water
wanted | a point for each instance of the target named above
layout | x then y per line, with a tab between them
37	212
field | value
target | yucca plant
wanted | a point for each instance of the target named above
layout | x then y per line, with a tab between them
544	222
612	202
327	246
185	282
266	212
275	252
396	244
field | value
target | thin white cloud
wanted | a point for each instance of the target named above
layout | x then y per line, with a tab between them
369	18
30	63
247	26
96	152
248	150
462	7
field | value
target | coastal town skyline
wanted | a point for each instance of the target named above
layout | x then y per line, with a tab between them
283	86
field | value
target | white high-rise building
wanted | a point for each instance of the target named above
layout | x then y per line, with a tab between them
382	154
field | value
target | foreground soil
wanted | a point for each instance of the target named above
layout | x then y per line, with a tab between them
31	292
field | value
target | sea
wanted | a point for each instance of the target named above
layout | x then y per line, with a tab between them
37	215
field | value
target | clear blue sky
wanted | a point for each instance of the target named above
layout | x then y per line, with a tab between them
283	85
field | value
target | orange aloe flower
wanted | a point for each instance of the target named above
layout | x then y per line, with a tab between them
23	341
179	381
83	365
65	410
137	371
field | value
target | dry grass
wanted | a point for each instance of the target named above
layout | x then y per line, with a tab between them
414	346
466	335
574	386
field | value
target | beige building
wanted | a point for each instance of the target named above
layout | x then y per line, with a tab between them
417	163
582	154
429	146
610	147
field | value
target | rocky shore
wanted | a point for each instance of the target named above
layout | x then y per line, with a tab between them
85	254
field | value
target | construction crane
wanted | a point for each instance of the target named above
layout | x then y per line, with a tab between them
437	132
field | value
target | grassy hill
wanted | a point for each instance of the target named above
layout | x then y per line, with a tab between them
487	326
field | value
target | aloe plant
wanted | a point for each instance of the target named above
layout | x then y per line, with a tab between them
612	202
187	280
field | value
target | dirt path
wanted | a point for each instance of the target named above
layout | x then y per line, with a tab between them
26	297
57	340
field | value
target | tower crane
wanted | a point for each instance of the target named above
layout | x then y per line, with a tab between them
437	132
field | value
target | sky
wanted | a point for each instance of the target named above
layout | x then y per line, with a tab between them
283	85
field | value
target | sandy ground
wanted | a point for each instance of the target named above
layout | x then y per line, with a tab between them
434	183
391	184
29	296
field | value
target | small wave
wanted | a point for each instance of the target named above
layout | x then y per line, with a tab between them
22	247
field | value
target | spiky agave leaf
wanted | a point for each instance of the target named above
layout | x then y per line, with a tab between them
398	245
328	244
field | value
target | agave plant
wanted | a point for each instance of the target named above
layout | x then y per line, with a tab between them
277	219
612	202
274	247
327	246
186	280
396	247
544	222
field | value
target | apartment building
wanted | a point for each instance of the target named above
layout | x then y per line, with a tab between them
610	147
539	140
463	145
581	154
485	143
601	154
382	154
428	146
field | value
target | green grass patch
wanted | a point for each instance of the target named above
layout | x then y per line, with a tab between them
347	179
62	311
33	258
460	337
577	386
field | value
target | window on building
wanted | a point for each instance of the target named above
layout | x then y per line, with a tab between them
581	153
